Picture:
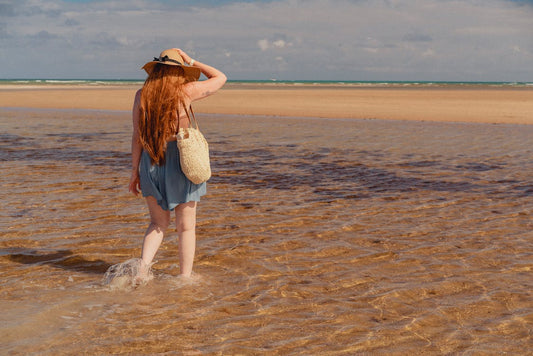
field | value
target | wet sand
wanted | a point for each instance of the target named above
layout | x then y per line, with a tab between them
453	104
317	237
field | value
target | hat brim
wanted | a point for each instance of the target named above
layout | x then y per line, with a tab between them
191	73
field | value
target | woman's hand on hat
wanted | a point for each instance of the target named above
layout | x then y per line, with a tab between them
184	55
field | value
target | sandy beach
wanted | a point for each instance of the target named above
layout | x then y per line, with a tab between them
447	104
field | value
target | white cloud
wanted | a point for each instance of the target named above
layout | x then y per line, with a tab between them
263	44
279	43
365	39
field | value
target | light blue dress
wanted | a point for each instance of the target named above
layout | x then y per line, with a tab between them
167	183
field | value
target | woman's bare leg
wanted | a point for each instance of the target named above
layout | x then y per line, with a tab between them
186	228
159	220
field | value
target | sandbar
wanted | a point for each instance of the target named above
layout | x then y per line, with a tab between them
481	104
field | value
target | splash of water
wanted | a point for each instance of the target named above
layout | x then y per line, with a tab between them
128	275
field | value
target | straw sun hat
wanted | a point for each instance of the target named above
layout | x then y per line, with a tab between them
171	57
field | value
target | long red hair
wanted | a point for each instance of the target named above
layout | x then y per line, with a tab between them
161	97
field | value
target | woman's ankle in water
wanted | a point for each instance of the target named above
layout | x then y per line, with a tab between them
144	272
186	274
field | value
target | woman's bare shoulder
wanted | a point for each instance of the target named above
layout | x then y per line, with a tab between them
189	88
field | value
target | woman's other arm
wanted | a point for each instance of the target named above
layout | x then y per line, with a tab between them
136	148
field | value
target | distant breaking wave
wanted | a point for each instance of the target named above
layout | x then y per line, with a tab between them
347	83
71	81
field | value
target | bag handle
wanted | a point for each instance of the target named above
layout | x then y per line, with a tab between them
194	117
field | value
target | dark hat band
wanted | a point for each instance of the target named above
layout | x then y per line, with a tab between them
166	59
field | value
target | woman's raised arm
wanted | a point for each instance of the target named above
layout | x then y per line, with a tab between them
199	90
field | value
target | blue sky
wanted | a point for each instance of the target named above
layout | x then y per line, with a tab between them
455	40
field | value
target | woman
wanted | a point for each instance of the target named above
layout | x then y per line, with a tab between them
160	108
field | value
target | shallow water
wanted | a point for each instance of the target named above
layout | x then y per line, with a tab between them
328	237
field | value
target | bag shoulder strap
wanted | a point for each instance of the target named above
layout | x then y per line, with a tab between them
189	113
194	118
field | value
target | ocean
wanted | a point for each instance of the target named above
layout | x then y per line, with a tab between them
104	82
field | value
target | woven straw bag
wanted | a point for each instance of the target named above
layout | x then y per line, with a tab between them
194	152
